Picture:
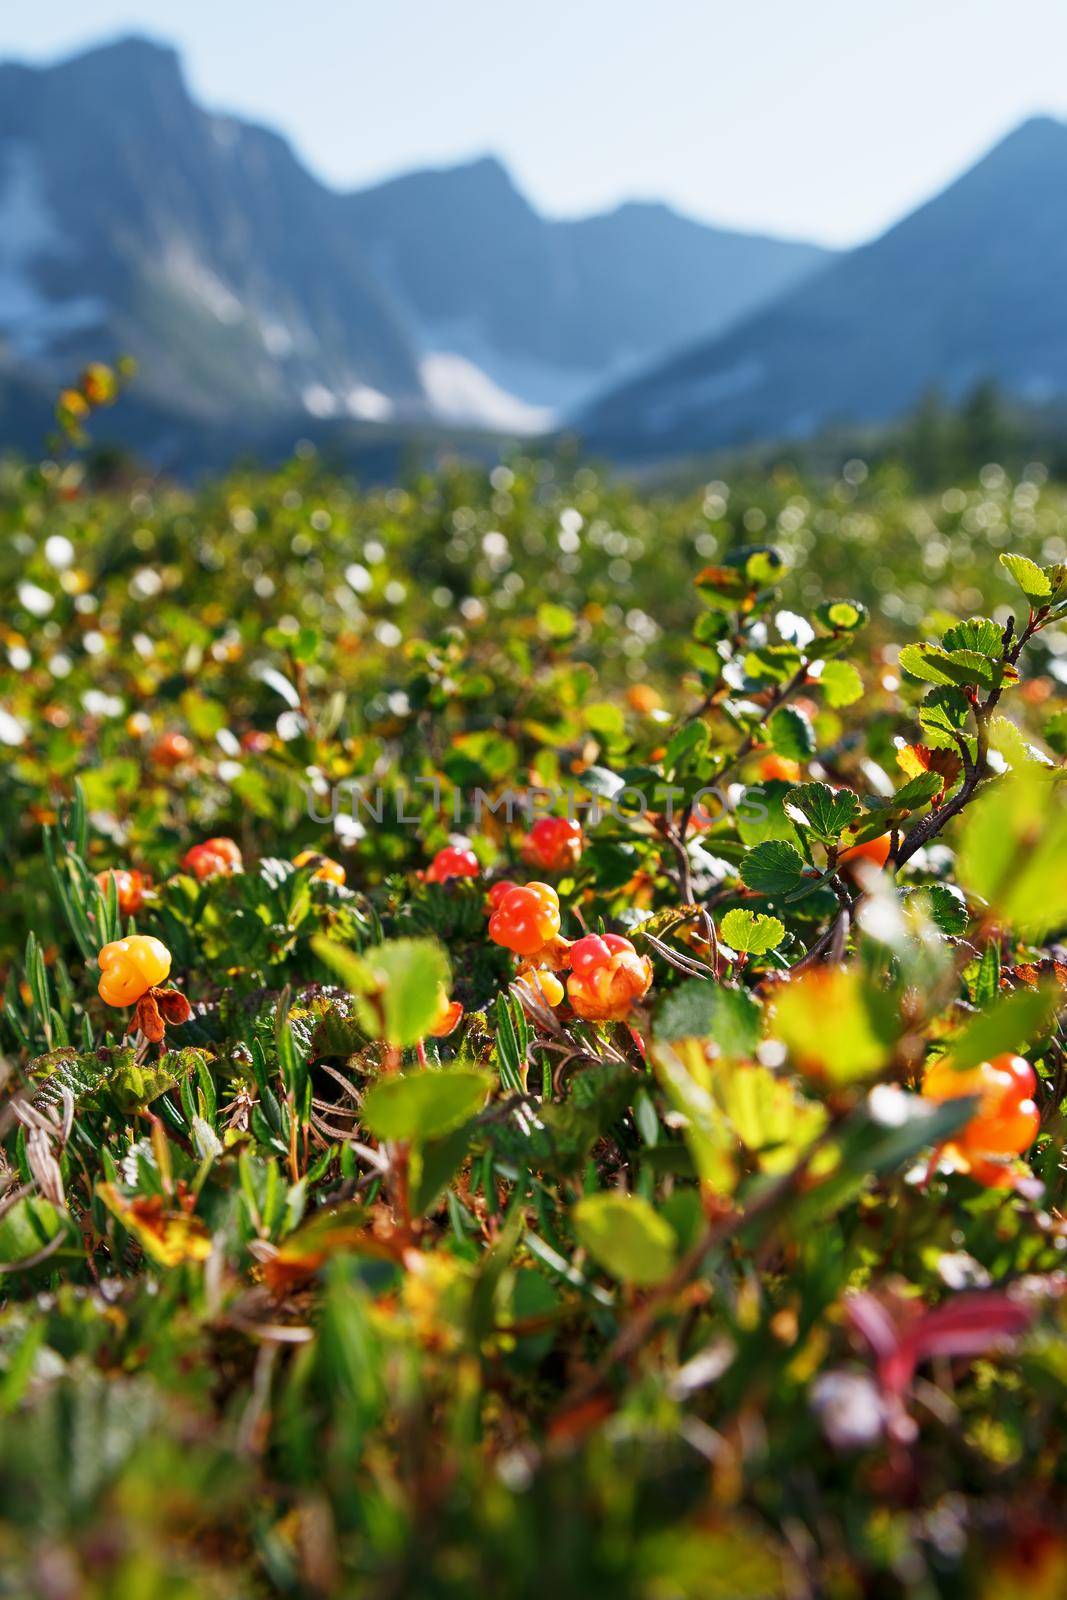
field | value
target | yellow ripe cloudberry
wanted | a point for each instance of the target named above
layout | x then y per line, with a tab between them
526	919
1006	1121
607	977
544	983
327	870
454	861
554	843
212	859
130	967
129	887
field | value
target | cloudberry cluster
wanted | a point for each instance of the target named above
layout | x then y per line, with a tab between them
1005	1123
607	976
215	858
453	861
554	844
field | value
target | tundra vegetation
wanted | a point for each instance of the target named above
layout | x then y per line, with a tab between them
532	1058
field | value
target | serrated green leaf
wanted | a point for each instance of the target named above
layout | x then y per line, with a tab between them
945	905
1034	583
931	664
977	633
773	868
827	812
749	933
944	711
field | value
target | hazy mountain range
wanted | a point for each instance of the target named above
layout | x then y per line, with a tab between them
262	305
253	296
972	285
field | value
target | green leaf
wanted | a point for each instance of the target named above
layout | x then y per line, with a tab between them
423	1105
554	621
773	868
751	934
827	812
840	683
791	733
626	1237
687	745
918	791
29	1225
433	1164
836	1023
398	985
1013	851
962	668
944	712
1028	575
944	904
1055	732
760	814
131	1087
602	781
605	718
842	616
769	1114
699	1009
1012	1021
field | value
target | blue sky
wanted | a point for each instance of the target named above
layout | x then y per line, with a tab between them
822	118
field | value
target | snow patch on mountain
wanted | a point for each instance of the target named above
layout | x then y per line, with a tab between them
460	391
29	320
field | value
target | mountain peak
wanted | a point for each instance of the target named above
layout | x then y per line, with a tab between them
130	65
125	52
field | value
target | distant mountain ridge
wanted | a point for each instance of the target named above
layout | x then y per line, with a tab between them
133	221
968	287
